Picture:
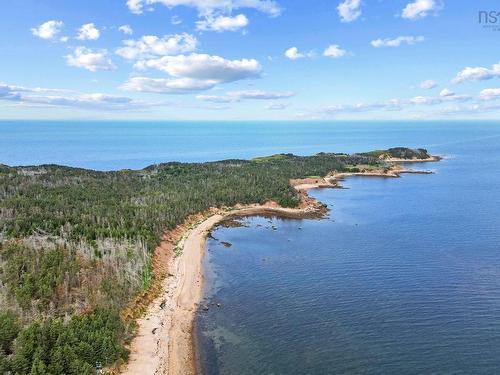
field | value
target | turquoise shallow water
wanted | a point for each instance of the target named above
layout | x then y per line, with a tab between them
402	276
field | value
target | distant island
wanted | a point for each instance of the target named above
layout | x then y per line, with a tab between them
104	268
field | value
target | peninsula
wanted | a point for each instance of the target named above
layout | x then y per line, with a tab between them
104	268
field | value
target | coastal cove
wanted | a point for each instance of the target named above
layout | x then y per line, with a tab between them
170	349
401	276
86	253
426	227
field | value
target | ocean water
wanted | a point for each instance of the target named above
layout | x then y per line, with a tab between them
401	277
108	145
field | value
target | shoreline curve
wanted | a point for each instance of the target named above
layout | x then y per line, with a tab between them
164	344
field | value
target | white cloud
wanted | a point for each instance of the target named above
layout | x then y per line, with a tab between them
48	30
167	85
150	46
66	98
457	98
204	67
390	105
349	10
88	32
85	58
8	93
259	94
135	6
235	96
175	20
277	106
214	99
334	51
126	29
473	109
424	100
490	94
294	54
222	23
448	102
444	96
206	7
385	106
428	84
477	74
420	9
446	93
396	42
193	72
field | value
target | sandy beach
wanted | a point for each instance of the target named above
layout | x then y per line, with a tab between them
163	343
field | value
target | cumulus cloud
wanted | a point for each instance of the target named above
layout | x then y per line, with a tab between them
88	32
294	54
204	67
126	29
477	74
396	42
86	58
167	85
150	46
192	72
48	30
490	94
334	51
222	23
446	93
207	7
420	9
135	6
428	84
349	10
66	98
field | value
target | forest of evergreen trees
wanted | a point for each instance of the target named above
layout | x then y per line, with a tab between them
76	245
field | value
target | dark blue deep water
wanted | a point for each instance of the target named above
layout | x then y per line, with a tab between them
402	276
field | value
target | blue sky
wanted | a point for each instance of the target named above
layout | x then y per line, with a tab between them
248	59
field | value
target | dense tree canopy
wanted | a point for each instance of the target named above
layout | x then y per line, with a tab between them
76	244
